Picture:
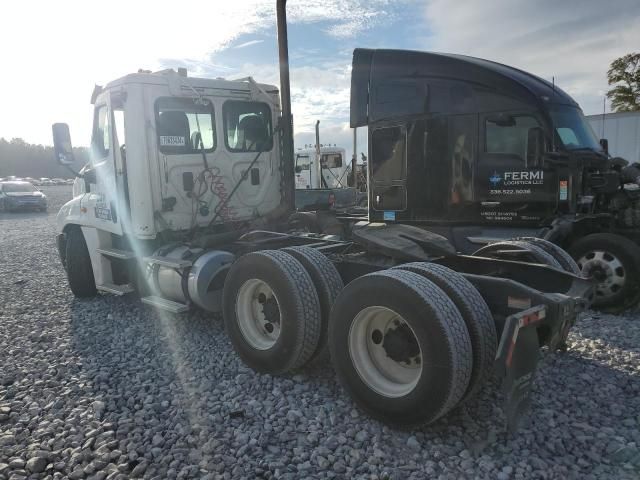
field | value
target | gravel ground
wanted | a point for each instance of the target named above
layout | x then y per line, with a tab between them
107	388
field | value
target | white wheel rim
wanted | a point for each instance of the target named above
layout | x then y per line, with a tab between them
381	373
260	330
611	273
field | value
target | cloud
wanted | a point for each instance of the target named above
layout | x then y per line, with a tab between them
57	57
572	40
347	18
247	44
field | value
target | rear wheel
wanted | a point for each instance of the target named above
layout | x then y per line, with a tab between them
565	260
271	311
328	284
400	347
614	262
475	313
78	264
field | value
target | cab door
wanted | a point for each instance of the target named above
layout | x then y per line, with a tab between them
388	172
303	171
508	190
102	200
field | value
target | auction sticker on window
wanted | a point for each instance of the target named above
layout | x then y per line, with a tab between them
171	141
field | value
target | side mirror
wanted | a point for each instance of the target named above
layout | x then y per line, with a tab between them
89	176
604	143
535	147
62	144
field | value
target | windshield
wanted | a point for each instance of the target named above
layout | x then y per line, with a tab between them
18	187
573	130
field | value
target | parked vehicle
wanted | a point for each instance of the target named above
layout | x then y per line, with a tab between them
480	152
19	195
333	170
321	182
200	220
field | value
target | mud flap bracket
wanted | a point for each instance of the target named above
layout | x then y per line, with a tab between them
517	360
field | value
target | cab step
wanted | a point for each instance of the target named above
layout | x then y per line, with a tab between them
175	263
165	304
115	289
117	253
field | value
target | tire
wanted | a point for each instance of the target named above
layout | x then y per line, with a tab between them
476	316
535	253
78	262
295	317
597	255
429	331
328	284
565	260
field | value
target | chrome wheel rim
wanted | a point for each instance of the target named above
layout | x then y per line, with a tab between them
385	351
607	269
258	313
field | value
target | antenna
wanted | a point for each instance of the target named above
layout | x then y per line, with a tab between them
553	86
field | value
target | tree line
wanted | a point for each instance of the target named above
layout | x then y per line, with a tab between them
23	159
624	76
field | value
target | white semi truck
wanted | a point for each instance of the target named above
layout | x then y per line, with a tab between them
186	202
333	171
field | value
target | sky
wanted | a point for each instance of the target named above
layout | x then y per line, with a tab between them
54	52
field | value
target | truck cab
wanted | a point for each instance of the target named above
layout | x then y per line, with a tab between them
166	151
333	168
480	152
460	140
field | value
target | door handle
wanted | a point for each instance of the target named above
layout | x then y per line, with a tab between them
489	204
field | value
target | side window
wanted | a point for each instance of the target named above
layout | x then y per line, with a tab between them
388	154
568	136
247	126
118	122
101	141
462	132
388	168
302	162
509	136
185	125
331	160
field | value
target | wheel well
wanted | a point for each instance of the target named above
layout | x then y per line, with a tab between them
581	228
68	227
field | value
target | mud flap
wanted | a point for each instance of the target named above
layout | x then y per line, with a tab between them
517	359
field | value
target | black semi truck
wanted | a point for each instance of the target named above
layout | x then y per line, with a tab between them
480	152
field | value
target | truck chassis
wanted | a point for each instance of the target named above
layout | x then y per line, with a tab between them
417	330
